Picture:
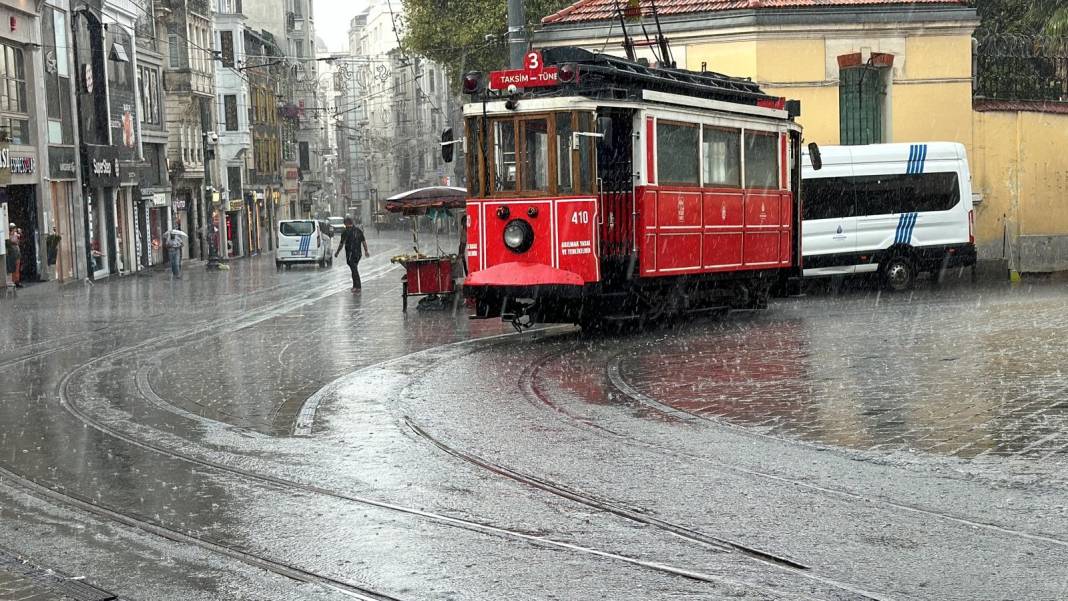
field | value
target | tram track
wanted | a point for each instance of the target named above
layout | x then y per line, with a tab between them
647	517
528	383
284	484
131	520
537	396
615	378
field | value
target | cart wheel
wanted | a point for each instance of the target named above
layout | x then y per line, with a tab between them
404	297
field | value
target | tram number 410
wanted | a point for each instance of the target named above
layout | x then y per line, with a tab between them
580	217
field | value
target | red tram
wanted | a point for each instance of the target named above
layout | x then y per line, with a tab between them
601	189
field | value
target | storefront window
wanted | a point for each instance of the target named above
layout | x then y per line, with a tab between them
98	249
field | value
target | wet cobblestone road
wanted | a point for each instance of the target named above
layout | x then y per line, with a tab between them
255	434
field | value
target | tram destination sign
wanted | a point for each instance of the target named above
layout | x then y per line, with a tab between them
534	74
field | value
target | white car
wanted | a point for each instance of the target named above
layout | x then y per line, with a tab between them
303	241
893	209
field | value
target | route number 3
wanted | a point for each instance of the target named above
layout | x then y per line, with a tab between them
580	217
533	62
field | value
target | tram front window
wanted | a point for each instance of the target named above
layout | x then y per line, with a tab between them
531	155
504	153
536	155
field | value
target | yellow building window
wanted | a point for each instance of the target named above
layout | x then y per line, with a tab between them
862	98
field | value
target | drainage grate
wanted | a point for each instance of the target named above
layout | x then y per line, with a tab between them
77	590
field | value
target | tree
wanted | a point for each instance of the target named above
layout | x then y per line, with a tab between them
465	35
1026	17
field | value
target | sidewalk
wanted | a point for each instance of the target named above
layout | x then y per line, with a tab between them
21	581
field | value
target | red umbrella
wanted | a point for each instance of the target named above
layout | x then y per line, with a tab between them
416	202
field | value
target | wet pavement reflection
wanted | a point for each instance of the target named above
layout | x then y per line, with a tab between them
963	373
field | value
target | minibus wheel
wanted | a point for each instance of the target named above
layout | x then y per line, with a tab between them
899	273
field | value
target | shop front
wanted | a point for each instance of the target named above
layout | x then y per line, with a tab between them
18	191
125	226
60	239
255	212
236	228
155	220
101	180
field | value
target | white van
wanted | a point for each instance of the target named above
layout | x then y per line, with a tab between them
303	241
893	209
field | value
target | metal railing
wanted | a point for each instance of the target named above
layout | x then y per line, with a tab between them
1021	67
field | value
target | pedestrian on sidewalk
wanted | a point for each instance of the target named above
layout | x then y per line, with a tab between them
14	255
351	240
175	239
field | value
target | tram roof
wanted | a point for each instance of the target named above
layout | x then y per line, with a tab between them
607	77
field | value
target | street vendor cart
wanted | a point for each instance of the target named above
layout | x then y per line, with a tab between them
433	276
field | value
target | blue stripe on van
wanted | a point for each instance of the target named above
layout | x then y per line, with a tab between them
917	158
912	228
900	228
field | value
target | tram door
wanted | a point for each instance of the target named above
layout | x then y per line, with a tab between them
615	175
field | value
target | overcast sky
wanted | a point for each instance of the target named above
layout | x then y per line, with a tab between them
332	21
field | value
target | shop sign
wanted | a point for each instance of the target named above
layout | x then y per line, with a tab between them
62	163
236	204
16	165
128	172
101	166
158	199
179	204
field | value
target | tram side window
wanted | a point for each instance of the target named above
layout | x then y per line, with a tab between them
504	156
535	155
564	184
475	158
827	198
723	157
761	160
587	155
677	154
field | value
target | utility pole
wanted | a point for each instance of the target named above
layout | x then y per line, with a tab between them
517	23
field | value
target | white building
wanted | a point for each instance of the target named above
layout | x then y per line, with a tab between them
404	104
235	138
294	22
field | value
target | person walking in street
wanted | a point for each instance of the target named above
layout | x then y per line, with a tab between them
351	240
14	255
175	239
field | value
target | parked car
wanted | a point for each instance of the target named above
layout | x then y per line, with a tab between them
303	241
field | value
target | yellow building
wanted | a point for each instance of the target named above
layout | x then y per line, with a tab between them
871	71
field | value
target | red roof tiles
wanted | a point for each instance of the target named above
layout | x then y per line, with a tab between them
599	10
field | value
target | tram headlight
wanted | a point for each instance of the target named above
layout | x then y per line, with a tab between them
518	236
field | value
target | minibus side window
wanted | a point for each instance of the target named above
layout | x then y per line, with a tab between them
907	193
827	198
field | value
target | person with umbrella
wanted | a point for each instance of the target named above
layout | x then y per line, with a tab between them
175	239
351	240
